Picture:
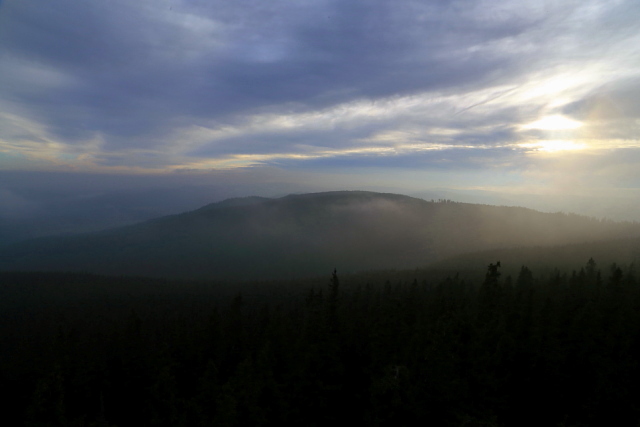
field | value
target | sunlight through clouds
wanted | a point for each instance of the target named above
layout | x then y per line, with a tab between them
171	85
553	146
555	122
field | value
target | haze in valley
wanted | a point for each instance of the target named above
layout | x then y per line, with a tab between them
113	113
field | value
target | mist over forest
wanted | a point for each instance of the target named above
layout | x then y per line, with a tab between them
360	212
306	235
40	204
377	308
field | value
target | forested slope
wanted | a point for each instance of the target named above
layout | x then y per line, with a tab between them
306	235
562	348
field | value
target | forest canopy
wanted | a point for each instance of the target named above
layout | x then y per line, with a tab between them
390	348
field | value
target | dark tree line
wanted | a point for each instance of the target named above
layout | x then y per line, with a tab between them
556	350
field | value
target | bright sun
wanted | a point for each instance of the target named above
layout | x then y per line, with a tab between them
556	122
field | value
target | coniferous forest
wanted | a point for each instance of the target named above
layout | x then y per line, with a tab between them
558	348
336	213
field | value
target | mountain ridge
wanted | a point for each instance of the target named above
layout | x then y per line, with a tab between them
302	235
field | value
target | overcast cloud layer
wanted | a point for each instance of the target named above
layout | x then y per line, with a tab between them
518	95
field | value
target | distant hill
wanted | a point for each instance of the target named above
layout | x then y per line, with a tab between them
306	235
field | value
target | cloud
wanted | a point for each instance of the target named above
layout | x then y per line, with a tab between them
161	86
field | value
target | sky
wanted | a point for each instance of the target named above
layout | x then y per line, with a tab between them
502	97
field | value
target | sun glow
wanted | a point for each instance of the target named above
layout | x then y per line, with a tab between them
555	122
554	145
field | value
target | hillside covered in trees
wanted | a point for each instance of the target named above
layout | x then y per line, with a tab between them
440	312
394	348
307	235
